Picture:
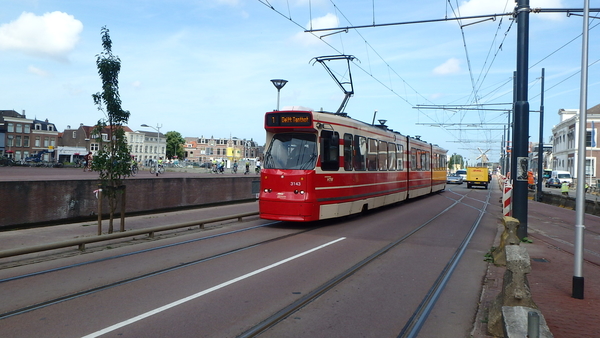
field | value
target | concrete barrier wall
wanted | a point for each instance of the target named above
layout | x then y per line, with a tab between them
37	202
592	207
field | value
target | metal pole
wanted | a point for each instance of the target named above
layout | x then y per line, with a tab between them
538	196
157	146
99	210
520	146
278	90
580	193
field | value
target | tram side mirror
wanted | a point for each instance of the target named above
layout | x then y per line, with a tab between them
335	139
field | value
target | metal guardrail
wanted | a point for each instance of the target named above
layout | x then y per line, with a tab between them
81	242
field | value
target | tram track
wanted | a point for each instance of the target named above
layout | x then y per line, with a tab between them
78	294
416	321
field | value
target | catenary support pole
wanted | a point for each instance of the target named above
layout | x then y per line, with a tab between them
580	192
540	168
521	122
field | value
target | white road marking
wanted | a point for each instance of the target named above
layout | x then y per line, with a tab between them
204	292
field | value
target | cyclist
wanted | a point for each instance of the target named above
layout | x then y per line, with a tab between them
134	167
247	168
257	169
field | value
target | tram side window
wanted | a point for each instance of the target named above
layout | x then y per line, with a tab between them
330	150
391	156
372	155
413	159
360	150
382	155
348	152
425	160
400	157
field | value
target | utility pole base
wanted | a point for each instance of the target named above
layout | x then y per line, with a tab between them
577	287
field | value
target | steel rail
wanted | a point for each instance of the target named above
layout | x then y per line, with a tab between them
309	297
417	320
81	242
70	266
144	276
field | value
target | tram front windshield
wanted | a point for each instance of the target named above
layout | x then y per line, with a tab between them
292	151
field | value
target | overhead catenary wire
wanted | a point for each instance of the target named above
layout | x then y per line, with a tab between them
478	93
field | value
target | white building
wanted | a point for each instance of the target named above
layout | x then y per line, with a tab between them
146	145
564	142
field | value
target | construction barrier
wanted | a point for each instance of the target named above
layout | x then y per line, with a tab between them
507	199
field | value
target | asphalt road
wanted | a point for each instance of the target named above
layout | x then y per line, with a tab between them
229	293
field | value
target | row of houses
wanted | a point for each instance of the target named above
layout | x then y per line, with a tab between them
562	151
24	139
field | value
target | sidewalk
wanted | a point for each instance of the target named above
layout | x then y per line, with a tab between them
552	264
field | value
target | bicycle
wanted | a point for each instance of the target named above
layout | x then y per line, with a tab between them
161	170
134	170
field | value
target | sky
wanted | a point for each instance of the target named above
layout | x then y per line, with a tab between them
203	67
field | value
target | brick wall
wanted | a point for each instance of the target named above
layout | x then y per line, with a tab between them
36	202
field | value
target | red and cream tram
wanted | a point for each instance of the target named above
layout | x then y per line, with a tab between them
321	165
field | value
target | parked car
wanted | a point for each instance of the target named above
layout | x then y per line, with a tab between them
553	183
462	173
454	179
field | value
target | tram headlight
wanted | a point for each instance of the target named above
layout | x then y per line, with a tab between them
267	190
301	192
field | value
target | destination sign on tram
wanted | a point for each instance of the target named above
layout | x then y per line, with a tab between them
287	119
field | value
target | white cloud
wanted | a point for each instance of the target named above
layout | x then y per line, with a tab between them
51	35
452	66
38	71
327	21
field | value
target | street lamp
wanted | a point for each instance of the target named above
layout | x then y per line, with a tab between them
278	83
157	142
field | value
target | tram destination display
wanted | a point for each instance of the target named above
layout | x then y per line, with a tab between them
300	119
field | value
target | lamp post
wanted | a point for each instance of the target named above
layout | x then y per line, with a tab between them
157	142
278	83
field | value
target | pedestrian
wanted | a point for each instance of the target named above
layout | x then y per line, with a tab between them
586	188
87	162
564	189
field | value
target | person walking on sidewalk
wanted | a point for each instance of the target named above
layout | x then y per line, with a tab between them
564	189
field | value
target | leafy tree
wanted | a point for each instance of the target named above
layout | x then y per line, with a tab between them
455	161
112	160
175	144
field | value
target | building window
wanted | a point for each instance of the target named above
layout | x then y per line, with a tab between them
10	128
94	146
27	129
38	126
18	141
37	141
10	140
74	134
19	128
46	142
53	142
50	127
26	142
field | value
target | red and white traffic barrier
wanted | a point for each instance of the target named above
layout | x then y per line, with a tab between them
507	199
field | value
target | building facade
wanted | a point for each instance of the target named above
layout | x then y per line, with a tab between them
564	142
24	139
232	149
